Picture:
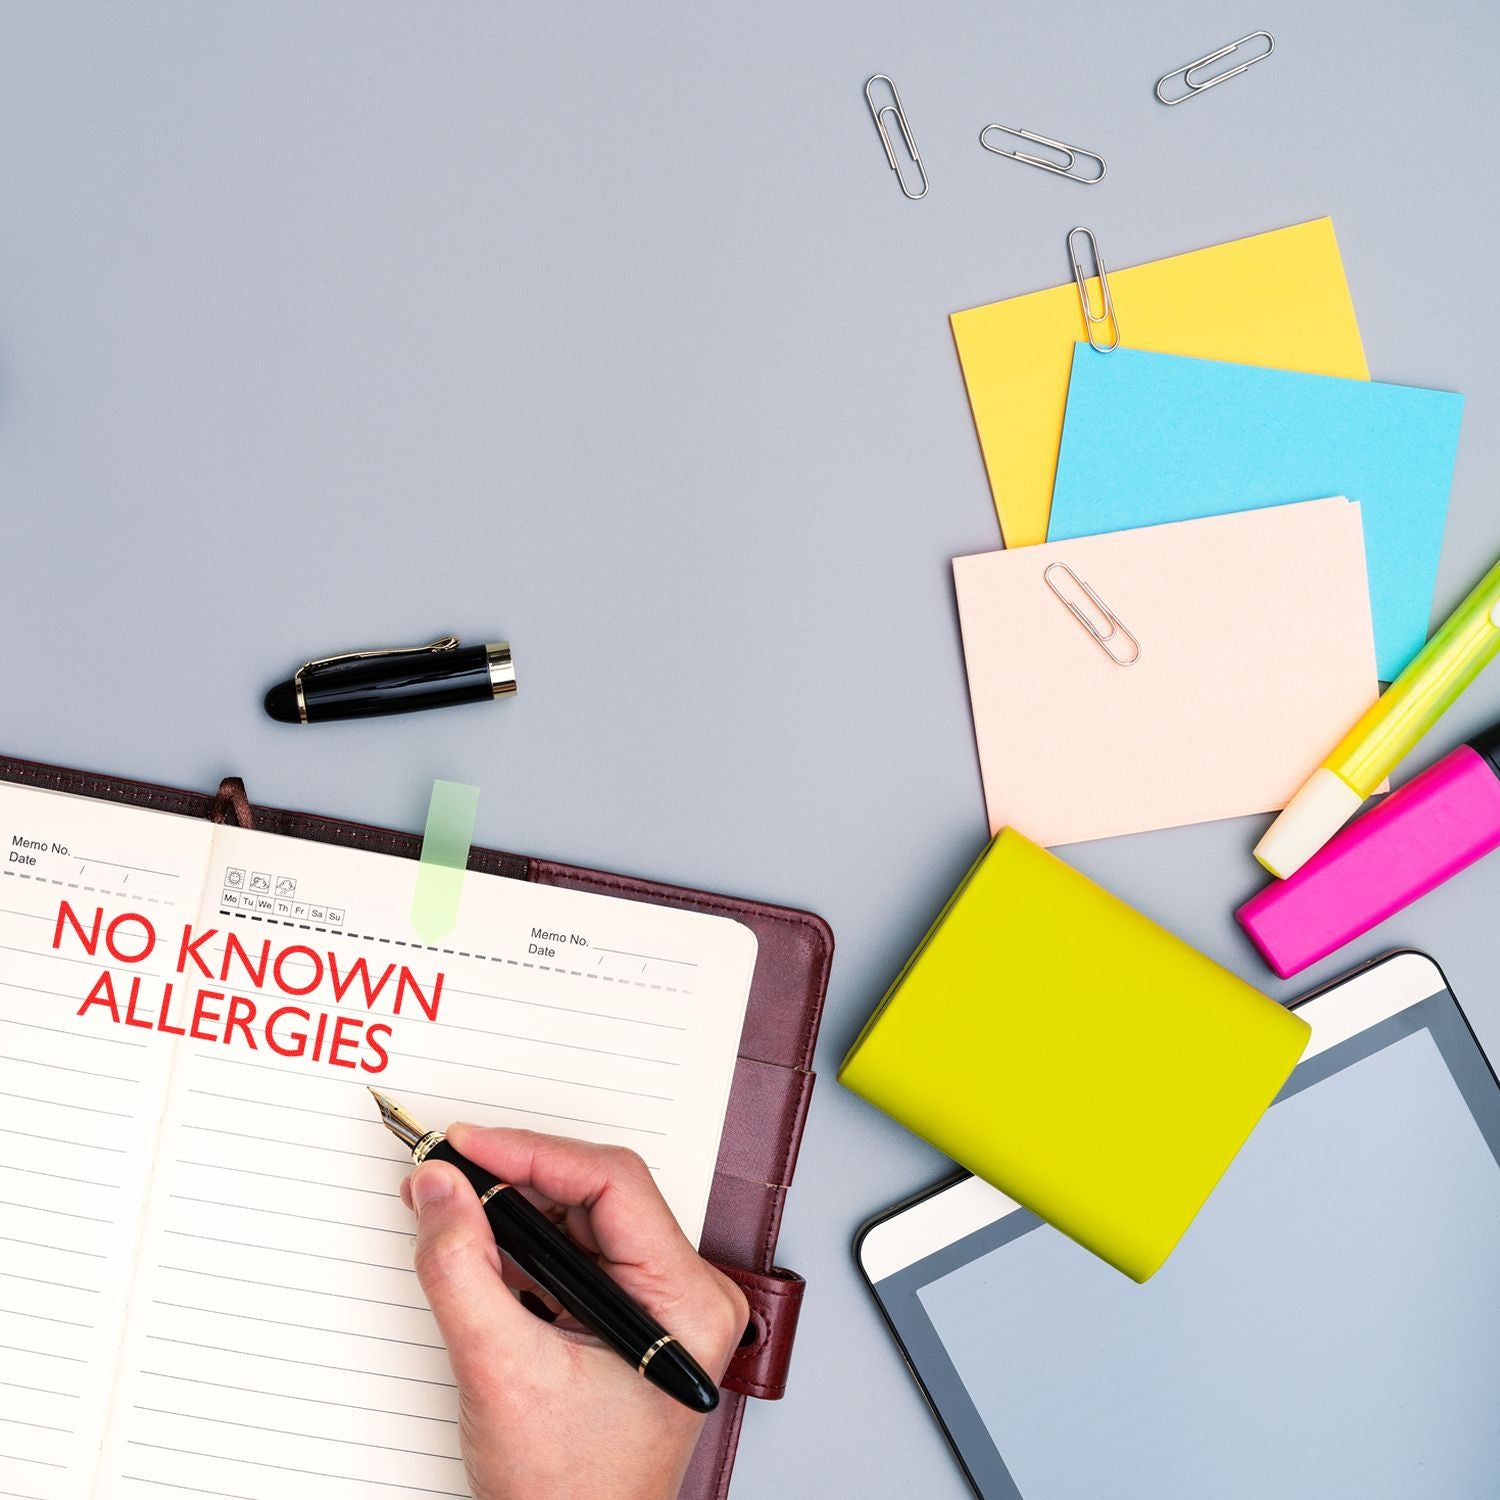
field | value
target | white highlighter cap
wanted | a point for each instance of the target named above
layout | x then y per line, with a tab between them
1324	804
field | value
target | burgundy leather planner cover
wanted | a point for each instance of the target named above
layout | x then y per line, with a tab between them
768	1101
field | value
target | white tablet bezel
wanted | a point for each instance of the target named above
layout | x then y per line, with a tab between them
1351	1004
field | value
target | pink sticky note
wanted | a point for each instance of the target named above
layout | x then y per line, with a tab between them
1249	647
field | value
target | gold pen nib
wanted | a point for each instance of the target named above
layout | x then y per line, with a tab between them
397	1121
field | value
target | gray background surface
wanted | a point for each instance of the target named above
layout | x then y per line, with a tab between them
605	328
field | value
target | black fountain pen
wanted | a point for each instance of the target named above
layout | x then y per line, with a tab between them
560	1268
395	680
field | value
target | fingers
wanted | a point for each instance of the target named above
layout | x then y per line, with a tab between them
512	1275
615	1208
487	1332
614	1203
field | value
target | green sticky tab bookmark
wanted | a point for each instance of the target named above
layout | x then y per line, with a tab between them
445	856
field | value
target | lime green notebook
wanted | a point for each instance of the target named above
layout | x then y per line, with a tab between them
1068	1050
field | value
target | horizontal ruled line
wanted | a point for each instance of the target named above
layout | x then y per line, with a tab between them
94	962
541	1077
301	1109
275	1140
5	1166
71	1359
385	1484
57	1212
191	1489
310	1364
45	1318
342	1187
57	1140
284	1072
317	1437
77	1033
396	1158
118	1114
343	1083
81	1072
345	1260
38	1390
282	1286
31	989
250	1390
515	1109
540	1041
39	1426
284	1213
65	1286
348	1333
65	1249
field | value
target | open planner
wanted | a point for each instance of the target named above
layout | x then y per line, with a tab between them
205	1271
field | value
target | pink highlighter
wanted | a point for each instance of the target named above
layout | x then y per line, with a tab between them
1439	823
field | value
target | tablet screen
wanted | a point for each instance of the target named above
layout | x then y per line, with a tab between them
1330	1325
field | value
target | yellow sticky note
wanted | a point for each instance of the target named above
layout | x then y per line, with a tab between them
1277	299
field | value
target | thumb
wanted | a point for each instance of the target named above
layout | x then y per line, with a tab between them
486	1330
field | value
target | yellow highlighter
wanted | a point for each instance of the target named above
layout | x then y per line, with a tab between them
1464	643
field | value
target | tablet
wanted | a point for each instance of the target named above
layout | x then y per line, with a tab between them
1329	1326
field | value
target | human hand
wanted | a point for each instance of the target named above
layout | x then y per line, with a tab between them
547	1411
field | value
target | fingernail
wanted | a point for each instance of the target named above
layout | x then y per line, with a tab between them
428	1186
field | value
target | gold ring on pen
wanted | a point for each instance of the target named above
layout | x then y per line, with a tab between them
432	1139
646	1358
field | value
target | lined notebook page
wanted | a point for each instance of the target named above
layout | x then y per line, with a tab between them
278	1340
80	1101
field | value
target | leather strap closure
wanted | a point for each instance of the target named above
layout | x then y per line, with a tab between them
232	804
759	1366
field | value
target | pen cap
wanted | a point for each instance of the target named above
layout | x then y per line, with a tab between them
1321	807
1487	744
1439	823
394	680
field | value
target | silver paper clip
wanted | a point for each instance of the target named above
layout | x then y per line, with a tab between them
897	112
1063	169
1194	87
1107	314
1103	638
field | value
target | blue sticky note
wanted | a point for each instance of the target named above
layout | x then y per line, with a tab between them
1151	438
